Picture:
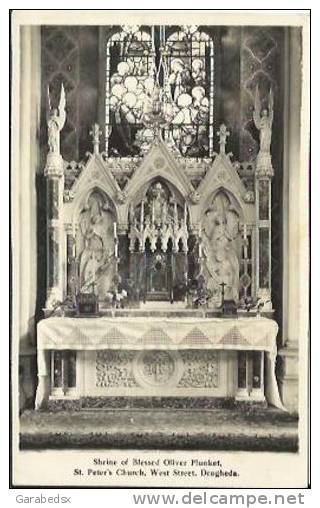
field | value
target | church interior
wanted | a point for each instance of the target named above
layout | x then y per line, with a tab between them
158	179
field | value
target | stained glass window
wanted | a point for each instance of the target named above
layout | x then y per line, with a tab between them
175	74
129	78
190	77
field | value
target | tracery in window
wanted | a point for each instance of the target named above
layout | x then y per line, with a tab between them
190	67
175	75
129	78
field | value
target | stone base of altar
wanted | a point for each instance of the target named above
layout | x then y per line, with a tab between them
154	403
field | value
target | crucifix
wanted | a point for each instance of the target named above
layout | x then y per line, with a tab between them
223	284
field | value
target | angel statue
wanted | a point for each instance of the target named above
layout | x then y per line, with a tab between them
55	120
263	121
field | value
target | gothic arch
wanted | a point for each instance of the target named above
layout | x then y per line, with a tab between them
231	196
81	201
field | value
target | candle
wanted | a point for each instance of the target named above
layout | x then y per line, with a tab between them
185	213
115	230
244	231
73	241
175	212
142	215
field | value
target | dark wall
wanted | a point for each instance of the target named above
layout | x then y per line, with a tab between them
71	55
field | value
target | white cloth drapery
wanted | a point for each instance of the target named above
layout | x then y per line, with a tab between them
137	333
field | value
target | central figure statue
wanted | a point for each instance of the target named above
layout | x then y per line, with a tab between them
220	233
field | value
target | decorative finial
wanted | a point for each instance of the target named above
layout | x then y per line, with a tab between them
223	133
95	133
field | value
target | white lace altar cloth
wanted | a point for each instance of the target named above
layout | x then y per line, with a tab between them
98	333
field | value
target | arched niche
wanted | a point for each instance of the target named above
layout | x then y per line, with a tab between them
158	214
169	188
96	223
222	246
241	208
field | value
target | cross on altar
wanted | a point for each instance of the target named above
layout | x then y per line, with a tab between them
223	284
95	133
223	133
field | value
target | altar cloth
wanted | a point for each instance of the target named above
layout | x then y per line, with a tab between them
134	333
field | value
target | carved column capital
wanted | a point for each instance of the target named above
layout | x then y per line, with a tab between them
54	165
122	228
68	227
194	228
264	165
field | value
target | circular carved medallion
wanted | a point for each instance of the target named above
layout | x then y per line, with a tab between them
156	368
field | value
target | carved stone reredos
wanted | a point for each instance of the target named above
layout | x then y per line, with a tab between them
159	163
100	172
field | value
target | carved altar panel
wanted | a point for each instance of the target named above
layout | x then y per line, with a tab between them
95	245
157	372
156	369
114	369
200	369
222	248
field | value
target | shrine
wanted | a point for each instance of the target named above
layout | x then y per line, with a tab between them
159	256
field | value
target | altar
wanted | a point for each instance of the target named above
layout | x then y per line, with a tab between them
83	358
172	221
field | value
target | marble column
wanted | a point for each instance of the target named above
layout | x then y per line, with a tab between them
25	175
71	275
55	184
263	235
26	72
295	252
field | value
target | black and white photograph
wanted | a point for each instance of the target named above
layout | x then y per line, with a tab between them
160	269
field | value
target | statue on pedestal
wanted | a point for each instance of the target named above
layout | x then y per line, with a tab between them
263	121
159	204
55	120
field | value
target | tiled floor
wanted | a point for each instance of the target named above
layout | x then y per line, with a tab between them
255	429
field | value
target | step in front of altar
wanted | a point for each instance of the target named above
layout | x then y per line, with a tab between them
153	403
